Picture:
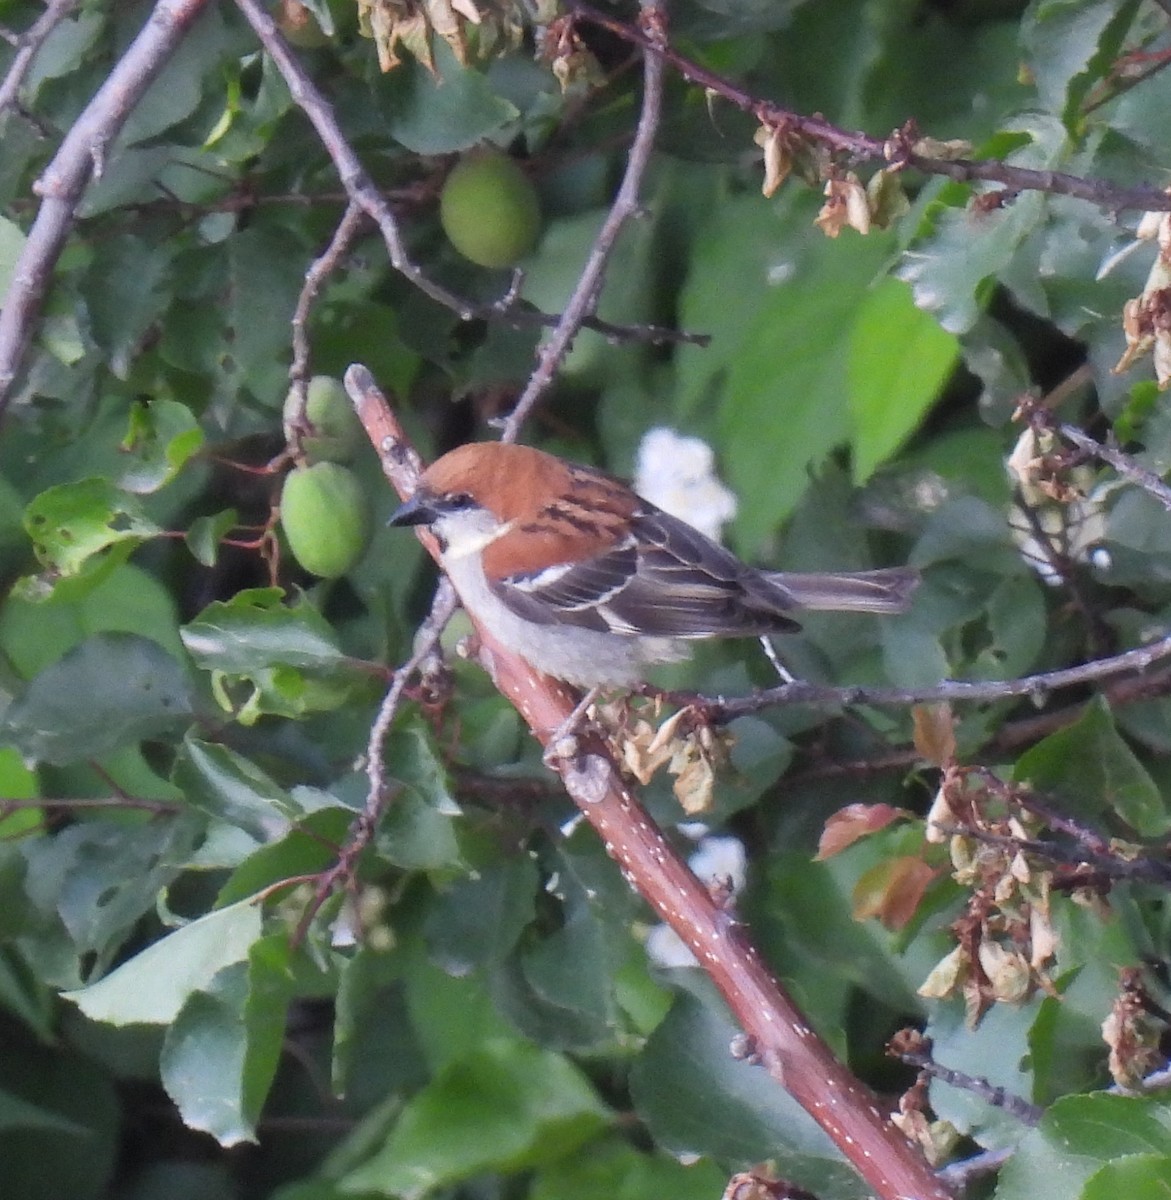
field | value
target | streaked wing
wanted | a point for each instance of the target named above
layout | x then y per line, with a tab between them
667	580
571	593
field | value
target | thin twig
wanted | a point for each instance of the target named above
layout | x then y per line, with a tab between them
363	192
1124	464
98	802
28	46
343	237
443	607
1037	687
80	157
897	150
626	205
917	1053
379	794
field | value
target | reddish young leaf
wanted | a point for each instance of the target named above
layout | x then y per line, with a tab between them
854	821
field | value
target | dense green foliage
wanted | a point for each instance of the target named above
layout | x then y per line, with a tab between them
184	711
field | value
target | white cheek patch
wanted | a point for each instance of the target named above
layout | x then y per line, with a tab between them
470	533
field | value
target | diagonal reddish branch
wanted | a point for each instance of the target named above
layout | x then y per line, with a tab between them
779	1034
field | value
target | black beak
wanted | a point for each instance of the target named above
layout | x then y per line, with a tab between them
418	510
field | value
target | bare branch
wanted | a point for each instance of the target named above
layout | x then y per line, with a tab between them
343	237
896	150
1126	466
1036	687
81	156
626	205
28	46
915	1050
362	191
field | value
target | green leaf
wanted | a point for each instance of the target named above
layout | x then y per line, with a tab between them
614	1170
899	358
16	1113
271	658
72	522
162	438
1070	45
100	877
152	987
127	599
205	534
12	241
506	1107
144	693
697	1099
477	919
954	266
256	628
440	115
1089	768
452	1016
1135	1176
307	848
220	1055
780	301
1077	1136
264	280
232	788
418	831
75	1154
126	287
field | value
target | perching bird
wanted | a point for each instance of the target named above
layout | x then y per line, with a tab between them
591	584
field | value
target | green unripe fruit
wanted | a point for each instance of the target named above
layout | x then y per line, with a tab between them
326	517
337	432
489	209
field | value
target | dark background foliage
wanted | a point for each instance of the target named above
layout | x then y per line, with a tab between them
185	709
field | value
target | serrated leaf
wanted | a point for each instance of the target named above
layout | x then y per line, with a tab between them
232	788
205	534
144	692
899	359
152	987
268	658
1089	768
780	300
505	1107
100	877
1070	45
221	1053
442	113
162	437
1077	1136
697	1099
1135	1176
72	522
256	629
953	269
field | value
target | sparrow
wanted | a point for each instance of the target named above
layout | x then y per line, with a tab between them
589	583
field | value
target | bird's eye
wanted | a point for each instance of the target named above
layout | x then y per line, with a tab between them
458	501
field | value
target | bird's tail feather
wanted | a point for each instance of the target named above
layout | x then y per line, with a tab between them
885	591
